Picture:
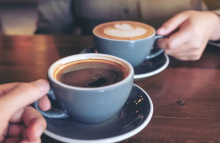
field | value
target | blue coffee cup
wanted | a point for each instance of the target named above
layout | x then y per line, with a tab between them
133	51
88	105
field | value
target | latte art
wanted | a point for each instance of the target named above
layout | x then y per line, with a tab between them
124	30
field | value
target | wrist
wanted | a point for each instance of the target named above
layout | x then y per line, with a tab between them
215	22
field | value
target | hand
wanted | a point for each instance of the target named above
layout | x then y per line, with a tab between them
20	122
192	29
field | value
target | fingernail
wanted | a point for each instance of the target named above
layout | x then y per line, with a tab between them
42	85
39	131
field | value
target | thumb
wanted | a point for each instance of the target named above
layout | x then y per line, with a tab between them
172	24
22	95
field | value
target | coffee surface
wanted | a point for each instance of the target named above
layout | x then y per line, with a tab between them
124	30
90	73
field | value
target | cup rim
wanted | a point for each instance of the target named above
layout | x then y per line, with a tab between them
124	40
89	56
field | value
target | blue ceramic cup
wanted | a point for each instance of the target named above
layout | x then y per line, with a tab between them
133	51
88	105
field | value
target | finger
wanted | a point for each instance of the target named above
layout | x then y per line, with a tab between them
4	132
192	55
35	123
172	24
22	95
181	37
3	128
16	117
182	58
13	140
34	126
26	141
2	138
15	130
5	88
162	43
185	48
44	103
187	57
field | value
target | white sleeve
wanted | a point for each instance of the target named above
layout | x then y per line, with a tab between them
217	12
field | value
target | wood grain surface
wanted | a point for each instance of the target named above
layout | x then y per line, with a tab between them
197	83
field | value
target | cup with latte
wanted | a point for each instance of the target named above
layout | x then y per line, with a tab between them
89	88
129	40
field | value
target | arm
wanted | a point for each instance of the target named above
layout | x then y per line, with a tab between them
55	17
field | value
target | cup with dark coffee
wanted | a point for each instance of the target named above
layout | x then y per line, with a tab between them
90	88
129	40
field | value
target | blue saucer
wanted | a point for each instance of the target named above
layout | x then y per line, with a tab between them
131	119
148	67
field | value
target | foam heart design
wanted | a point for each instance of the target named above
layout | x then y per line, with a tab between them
124	30
124	27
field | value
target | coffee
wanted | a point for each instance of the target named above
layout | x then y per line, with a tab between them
124	30
90	73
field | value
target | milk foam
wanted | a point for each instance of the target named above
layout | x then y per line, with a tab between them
124	30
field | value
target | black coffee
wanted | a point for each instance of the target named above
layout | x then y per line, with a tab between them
90	73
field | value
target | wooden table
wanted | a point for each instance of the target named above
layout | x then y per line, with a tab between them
27	58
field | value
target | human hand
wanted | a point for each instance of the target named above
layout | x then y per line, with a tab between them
18	121
189	33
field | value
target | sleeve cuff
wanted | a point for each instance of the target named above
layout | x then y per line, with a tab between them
216	12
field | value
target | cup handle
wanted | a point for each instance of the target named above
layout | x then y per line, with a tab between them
56	113
158	52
